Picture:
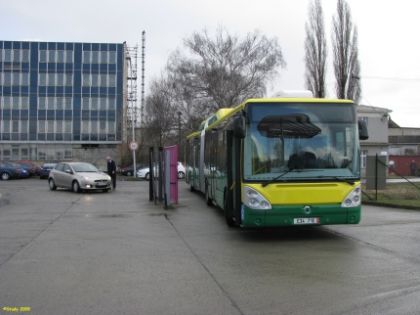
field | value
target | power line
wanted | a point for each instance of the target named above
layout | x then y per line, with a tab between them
368	77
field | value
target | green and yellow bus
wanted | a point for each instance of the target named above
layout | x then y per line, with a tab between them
280	162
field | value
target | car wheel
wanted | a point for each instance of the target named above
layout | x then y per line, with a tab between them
129	174
52	185
76	187
181	175
5	176
147	176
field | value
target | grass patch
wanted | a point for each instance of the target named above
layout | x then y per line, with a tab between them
402	195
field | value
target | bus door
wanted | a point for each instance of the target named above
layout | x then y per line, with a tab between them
233	189
201	175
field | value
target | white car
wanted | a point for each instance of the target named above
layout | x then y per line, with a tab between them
145	172
78	176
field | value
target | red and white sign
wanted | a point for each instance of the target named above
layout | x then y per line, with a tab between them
134	146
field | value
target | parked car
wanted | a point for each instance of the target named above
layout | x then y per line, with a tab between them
31	167
145	172
126	170
78	176
10	170
7	172
45	170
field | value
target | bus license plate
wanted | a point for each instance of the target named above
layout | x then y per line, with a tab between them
305	221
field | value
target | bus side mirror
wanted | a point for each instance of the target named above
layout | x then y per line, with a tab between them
363	132
238	128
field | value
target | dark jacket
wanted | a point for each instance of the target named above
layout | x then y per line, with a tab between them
112	168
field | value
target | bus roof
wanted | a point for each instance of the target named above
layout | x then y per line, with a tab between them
224	113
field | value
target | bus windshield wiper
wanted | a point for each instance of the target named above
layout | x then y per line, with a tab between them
340	179
345	180
280	176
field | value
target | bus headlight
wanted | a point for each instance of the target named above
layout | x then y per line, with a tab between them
353	199
254	199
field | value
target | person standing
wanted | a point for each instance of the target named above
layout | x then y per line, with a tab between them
112	171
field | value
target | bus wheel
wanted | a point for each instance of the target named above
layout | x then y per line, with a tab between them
208	200
228	211
229	219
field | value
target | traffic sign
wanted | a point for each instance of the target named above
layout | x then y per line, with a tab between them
134	146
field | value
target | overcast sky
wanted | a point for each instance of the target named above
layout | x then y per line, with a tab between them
388	42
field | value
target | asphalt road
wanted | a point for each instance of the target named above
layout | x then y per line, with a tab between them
117	253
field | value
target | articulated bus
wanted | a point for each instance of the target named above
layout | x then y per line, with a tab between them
280	162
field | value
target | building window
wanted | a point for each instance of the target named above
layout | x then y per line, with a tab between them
85	126
94	101
16	55
104	57
15	126
102	127
59	126
51	79
60	79
67	126
69	56
7	79
25	79
52	56
42	79
50	126
68	103
86	57
25	55
60	56
6	126
69	79
112	57
95	56
42	102
7	56
43	56
7	102
24	126
41	126
16	78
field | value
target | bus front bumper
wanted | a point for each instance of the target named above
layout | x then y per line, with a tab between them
298	215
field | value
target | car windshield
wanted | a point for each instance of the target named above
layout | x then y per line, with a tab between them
84	167
301	142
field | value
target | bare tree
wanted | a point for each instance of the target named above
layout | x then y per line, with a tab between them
223	71
161	117
346	62
315	50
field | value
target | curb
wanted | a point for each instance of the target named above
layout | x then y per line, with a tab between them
387	205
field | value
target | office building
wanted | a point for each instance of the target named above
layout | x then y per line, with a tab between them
61	101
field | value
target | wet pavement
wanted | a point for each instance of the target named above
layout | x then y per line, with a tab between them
117	253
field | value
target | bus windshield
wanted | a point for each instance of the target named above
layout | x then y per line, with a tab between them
301	141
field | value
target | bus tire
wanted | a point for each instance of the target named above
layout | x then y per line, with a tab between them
208	200
230	221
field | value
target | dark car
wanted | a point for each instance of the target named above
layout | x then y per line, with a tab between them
31	167
45	170
126	170
10	170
